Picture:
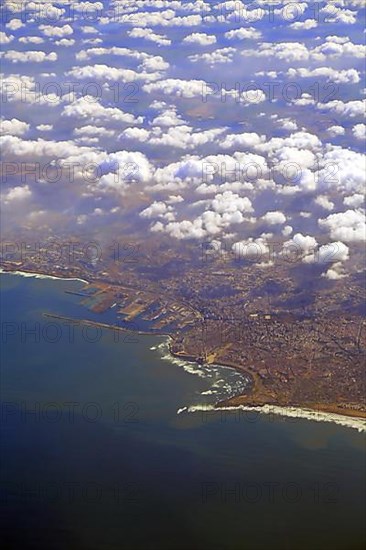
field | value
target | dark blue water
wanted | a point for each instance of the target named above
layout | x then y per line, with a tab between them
95	456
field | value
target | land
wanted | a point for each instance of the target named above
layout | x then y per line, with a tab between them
300	338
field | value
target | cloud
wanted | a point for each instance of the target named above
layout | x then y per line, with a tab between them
231	203
338	47
110	74
274	218
221	55
324	202
209	223
349	226
17	193
56	32
335	272
338	76
287	230
224	210
359	131
297	141
300	244
335	14
31	40
29	57
44	127
342	169
242	141
148	34
65	42
177	87
244	33
199	38
88	107
333	252
123	168
5	38
285	51
304	25
168	117
93	131
156	209
350	109
166	18
287	124
336	131
85	55
179	137
355	200
14	127
15	147
14	24
251	248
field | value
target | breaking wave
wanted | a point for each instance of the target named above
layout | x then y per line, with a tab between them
42	276
358	424
222	382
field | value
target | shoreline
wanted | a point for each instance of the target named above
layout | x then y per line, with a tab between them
325	412
289	412
42	275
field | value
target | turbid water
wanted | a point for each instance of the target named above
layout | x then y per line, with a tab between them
99	449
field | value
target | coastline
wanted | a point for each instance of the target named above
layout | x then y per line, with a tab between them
321	412
309	414
42	275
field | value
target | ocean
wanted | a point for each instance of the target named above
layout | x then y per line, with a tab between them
110	443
